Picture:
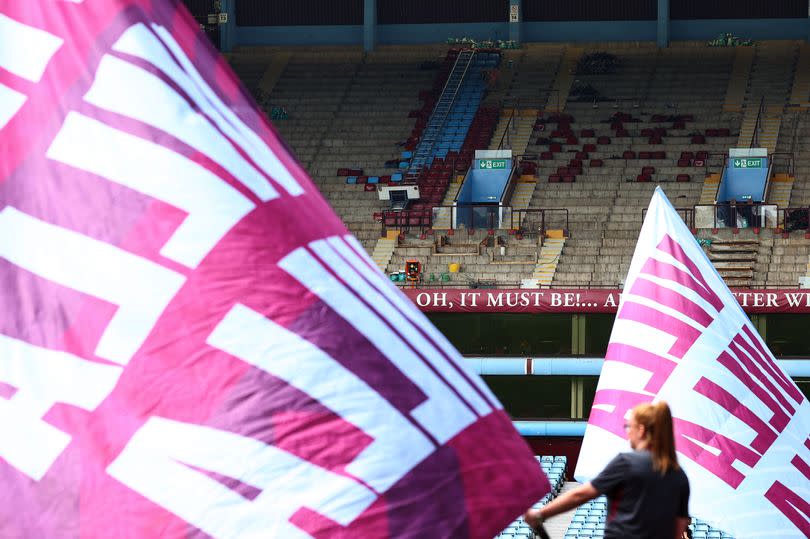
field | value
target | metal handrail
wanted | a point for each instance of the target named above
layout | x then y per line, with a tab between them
755	134
455	93
792	216
509	181
789	157
509	123
521	214
687	214
733	209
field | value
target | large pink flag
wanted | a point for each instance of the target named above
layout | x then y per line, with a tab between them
191	344
742	426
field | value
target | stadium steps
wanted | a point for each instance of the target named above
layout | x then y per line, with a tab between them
442	216
384	250
522	196
770	79
547	261
558	96
557	525
452	192
734	260
430	138
708	194
772	125
554	468
800	93
781	187
519	130
278	63
738	82
805	280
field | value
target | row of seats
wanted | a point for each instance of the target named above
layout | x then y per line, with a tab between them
589	520
554	468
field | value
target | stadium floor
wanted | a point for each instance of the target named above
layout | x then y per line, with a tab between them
556	526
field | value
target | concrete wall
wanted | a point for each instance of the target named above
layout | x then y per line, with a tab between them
585	31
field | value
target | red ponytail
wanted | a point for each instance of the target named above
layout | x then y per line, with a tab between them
657	421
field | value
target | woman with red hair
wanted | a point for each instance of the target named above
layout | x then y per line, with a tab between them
647	491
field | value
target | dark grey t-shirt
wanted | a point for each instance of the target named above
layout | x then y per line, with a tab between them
641	502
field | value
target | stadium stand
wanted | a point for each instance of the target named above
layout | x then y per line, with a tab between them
599	144
555	468
349	111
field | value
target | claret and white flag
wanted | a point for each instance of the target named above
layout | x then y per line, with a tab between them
742	426
191	343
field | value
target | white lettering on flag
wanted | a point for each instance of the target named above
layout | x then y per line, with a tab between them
336	255
140	42
43	378
29	60
122	87
139	287
157	464
354	253
258	341
212	205
740	422
11	102
443	414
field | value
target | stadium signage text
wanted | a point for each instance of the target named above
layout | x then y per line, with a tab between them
583	300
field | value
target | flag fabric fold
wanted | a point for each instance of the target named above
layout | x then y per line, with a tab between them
191	343
742	426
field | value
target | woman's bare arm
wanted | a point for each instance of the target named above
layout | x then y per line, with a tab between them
573	498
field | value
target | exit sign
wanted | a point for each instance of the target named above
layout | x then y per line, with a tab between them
492	163
747	162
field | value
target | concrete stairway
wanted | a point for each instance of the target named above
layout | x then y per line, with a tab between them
771	79
558	96
522	195
738	82
278	62
734	260
780	189
547	261
557	526
442	216
800	93
521	198
384	250
805	280
769	131
708	194
513	135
